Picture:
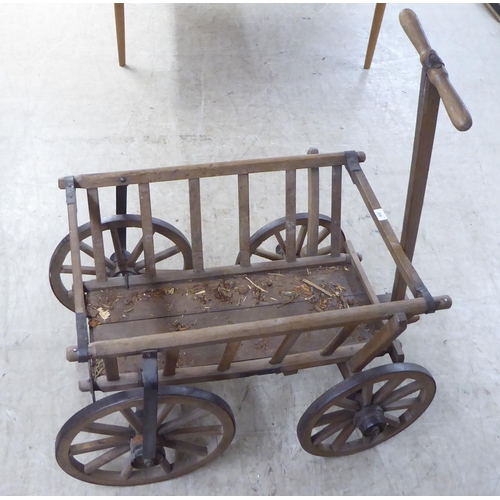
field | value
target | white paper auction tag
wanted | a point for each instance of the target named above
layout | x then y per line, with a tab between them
379	212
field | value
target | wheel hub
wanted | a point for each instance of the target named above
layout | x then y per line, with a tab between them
370	420
136	454
130	271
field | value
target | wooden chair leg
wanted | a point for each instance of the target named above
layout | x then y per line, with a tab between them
120	31
372	42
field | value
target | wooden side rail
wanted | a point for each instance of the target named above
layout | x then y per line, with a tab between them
163	174
256	330
195	374
172	276
403	263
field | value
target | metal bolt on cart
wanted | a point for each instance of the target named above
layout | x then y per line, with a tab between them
296	298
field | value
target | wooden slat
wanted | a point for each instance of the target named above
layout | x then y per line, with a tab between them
339	339
291	211
228	356
313	212
171	357
196	232
284	348
380	341
111	368
195	374
395	349
210	170
365	282
258	329
147	230
78	294
335	231
96	231
244	218
169	276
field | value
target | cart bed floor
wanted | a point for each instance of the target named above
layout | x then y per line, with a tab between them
194	304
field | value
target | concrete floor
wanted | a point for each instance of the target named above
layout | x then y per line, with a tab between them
222	82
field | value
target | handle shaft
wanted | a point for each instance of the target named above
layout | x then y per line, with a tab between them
437	74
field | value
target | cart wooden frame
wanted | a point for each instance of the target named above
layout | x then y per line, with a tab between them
307	306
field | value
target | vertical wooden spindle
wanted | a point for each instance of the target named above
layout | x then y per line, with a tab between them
291	219
147	230
111	369
244	215
171	358
96	231
335	230
313	212
195	215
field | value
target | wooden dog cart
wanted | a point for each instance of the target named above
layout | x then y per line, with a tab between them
146	332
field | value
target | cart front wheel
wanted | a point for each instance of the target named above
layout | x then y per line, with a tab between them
102	443
366	409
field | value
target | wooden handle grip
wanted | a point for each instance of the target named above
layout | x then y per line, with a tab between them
455	107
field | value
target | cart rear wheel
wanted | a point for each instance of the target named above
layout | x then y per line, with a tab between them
269	241
60	263
366	409
101	443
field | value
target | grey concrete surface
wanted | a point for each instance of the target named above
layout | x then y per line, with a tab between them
222	82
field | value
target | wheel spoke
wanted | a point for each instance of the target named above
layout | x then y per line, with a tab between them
324	251
164	413
324	233
301	238
366	395
386	389
402	392
166	466
347	404
182	420
391	420
400	404
132	419
163	255
87	270
118	247
109	430
98	444
166	254
328	431
105	458
195	432
265	254
344	435
281	242
136	252
127	470
87	249
334	417
191	448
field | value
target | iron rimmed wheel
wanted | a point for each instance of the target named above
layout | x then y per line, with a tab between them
130	263
269	241
366	409
101	443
